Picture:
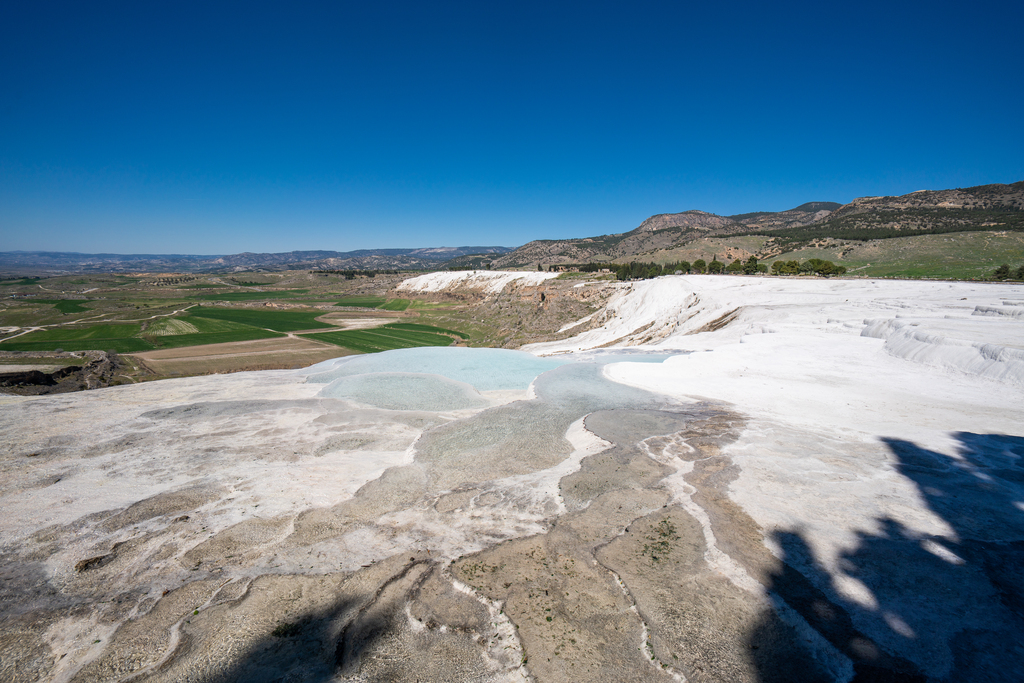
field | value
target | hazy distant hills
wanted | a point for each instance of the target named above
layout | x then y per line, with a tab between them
986	207
982	208
362	259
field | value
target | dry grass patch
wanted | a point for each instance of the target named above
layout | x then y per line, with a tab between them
261	354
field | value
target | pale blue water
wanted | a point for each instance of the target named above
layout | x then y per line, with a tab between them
508	439
485	369
406	391
443	379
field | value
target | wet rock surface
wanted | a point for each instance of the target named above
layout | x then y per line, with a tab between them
248	528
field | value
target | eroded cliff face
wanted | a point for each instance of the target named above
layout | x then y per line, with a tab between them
519	308
99	369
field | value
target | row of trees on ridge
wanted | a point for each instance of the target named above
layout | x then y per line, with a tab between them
640	271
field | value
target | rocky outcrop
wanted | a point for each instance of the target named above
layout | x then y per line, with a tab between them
686	219
98	371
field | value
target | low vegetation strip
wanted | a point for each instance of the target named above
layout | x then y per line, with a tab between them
252	296
381	339
363	301
415	327
279	321
123	345
380	302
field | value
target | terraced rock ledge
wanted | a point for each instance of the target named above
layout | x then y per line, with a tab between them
798	492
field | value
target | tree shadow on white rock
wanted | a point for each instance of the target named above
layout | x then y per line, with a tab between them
903	606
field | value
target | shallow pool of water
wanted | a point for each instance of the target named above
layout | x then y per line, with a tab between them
485	369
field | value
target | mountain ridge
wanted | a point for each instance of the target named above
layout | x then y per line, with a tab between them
984	207
991	207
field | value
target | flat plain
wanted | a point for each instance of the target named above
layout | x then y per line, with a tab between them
147	313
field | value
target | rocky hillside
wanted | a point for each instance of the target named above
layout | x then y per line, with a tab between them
700	220
805	214
986	207
659	232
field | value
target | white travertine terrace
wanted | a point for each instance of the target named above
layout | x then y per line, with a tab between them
872	442
489	281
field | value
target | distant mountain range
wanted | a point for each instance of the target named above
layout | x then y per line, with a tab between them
361	259
985	207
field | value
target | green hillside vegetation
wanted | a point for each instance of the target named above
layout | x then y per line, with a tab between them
1005	272
889	224
268	280
706	248
813	265
965	255
386	338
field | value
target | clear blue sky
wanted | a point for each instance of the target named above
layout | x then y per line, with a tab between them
213	127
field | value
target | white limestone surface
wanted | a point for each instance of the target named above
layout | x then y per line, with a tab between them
488	281
848	387
877	452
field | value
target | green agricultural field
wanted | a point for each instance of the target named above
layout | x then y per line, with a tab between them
64	305
375	302
172	333
168	327
383	338
279	321
180	340
122	338
396	305
363	301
